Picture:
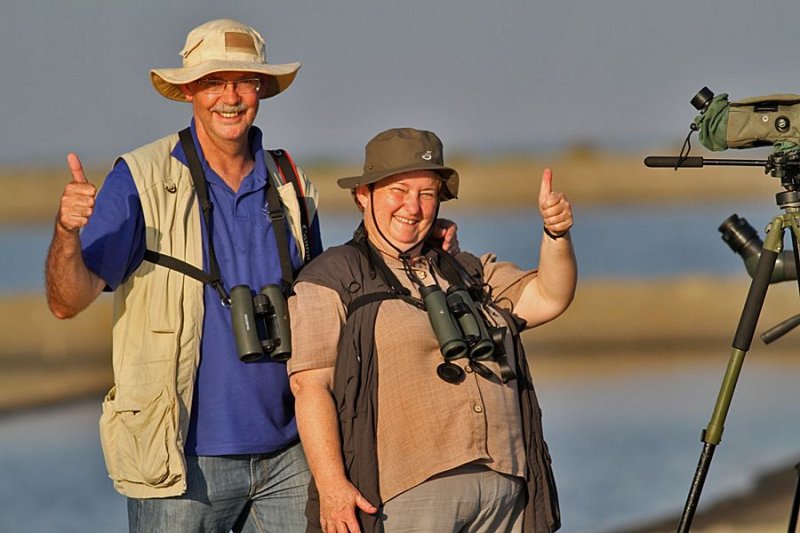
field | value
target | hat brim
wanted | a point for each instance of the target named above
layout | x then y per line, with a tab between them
167	81
449	177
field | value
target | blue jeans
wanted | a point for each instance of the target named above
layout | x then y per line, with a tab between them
241	493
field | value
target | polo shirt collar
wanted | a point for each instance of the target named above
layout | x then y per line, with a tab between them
259	174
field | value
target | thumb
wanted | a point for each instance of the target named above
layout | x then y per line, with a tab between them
364	505
547	184
76	168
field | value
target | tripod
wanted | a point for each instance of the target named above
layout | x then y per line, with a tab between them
787	169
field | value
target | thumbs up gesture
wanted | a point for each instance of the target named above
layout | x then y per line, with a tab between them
554	207
77	201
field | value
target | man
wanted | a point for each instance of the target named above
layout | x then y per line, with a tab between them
196	438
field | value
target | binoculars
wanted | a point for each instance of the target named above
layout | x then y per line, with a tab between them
459	327
261	323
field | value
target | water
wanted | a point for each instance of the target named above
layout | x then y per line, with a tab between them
624	448
610	242
54	477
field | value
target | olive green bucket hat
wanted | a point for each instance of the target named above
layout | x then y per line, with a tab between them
400	150
223	45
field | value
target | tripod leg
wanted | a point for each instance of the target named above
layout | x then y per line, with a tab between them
712	435
795	503
697	486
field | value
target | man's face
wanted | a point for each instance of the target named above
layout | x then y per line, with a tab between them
225	117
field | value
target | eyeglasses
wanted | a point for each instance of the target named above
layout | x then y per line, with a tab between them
246	86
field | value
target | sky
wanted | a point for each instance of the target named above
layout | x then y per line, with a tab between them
487	76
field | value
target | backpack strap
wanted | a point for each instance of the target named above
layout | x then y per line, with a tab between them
278	219
289	174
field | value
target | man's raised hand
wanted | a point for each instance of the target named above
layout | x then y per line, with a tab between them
77	201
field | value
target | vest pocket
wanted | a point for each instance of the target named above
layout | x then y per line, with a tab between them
139	439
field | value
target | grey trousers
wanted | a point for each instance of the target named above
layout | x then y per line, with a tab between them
471	499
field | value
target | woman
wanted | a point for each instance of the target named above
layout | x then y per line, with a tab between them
414	400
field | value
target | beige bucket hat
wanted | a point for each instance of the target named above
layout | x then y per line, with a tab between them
400	150
222	45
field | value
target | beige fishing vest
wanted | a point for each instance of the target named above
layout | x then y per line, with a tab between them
158	320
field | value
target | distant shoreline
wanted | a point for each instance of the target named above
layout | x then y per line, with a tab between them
589	178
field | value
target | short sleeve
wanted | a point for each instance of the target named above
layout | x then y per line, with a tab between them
317	315
113	242
506	280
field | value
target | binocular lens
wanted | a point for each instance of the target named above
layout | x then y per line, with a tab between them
454	349
471	322
483	349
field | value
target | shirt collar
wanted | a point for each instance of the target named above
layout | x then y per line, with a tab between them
259	173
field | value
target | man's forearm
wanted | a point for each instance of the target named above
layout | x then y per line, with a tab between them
70	285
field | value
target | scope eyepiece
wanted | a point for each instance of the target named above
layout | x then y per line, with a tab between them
740	236
702	99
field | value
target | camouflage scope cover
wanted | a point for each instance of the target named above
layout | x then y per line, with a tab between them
757	121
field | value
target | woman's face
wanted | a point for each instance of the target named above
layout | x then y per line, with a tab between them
404	206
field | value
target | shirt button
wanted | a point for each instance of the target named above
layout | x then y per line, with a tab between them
477	408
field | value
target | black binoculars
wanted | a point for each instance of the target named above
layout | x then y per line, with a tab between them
261	323
459	327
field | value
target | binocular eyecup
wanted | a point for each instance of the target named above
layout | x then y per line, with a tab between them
261	323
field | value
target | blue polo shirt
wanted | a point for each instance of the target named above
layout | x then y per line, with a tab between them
239	408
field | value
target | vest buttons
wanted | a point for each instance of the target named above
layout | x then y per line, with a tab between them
477	408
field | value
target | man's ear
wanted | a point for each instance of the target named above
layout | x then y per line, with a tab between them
265	81
187	92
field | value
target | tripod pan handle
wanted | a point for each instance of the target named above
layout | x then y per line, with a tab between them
660	161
